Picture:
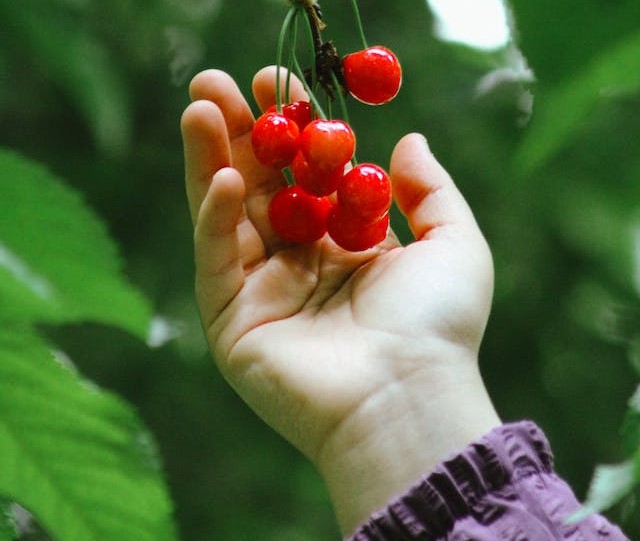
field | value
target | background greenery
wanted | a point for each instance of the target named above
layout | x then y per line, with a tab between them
93	91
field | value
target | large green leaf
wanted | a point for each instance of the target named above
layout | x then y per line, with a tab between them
57	262
560	111
76	457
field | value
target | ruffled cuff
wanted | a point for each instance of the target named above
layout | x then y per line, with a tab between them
503	486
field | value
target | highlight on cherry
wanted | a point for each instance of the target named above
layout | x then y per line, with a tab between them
312	141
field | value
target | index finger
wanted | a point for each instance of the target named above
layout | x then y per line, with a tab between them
206	149
218	116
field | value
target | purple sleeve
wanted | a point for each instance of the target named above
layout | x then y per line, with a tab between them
501	487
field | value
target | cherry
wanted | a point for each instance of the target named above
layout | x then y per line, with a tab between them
297	216
327	145
372	75
313	181
365	192
353	235
298	111
275	140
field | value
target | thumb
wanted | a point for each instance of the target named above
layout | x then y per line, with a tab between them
424	191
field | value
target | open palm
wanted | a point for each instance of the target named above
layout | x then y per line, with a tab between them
309	335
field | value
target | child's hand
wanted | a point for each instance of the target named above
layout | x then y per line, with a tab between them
366	362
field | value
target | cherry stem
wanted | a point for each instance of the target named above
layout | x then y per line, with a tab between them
313	40
283	33
343	107
293	38
313	35
312	97
288	176
356	13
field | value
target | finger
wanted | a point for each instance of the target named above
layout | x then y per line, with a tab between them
264	87
225	242
424	191
220	88
206	149
261	182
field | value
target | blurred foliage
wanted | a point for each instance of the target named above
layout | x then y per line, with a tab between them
541	137
77	458
7	526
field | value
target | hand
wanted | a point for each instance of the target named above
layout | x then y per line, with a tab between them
366	362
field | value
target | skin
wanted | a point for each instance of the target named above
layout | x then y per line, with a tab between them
366	362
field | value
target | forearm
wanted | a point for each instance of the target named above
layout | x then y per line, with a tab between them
400	433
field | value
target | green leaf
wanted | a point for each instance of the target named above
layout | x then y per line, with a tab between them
76	457
559	111
57	262
610	483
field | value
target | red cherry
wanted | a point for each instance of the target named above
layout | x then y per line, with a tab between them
365	192
298	111
313	181
372	75
275	140
327	145
297	216
351	234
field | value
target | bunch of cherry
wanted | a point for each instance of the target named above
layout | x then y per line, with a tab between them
328	192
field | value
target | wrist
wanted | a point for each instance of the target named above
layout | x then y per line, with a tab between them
401	433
